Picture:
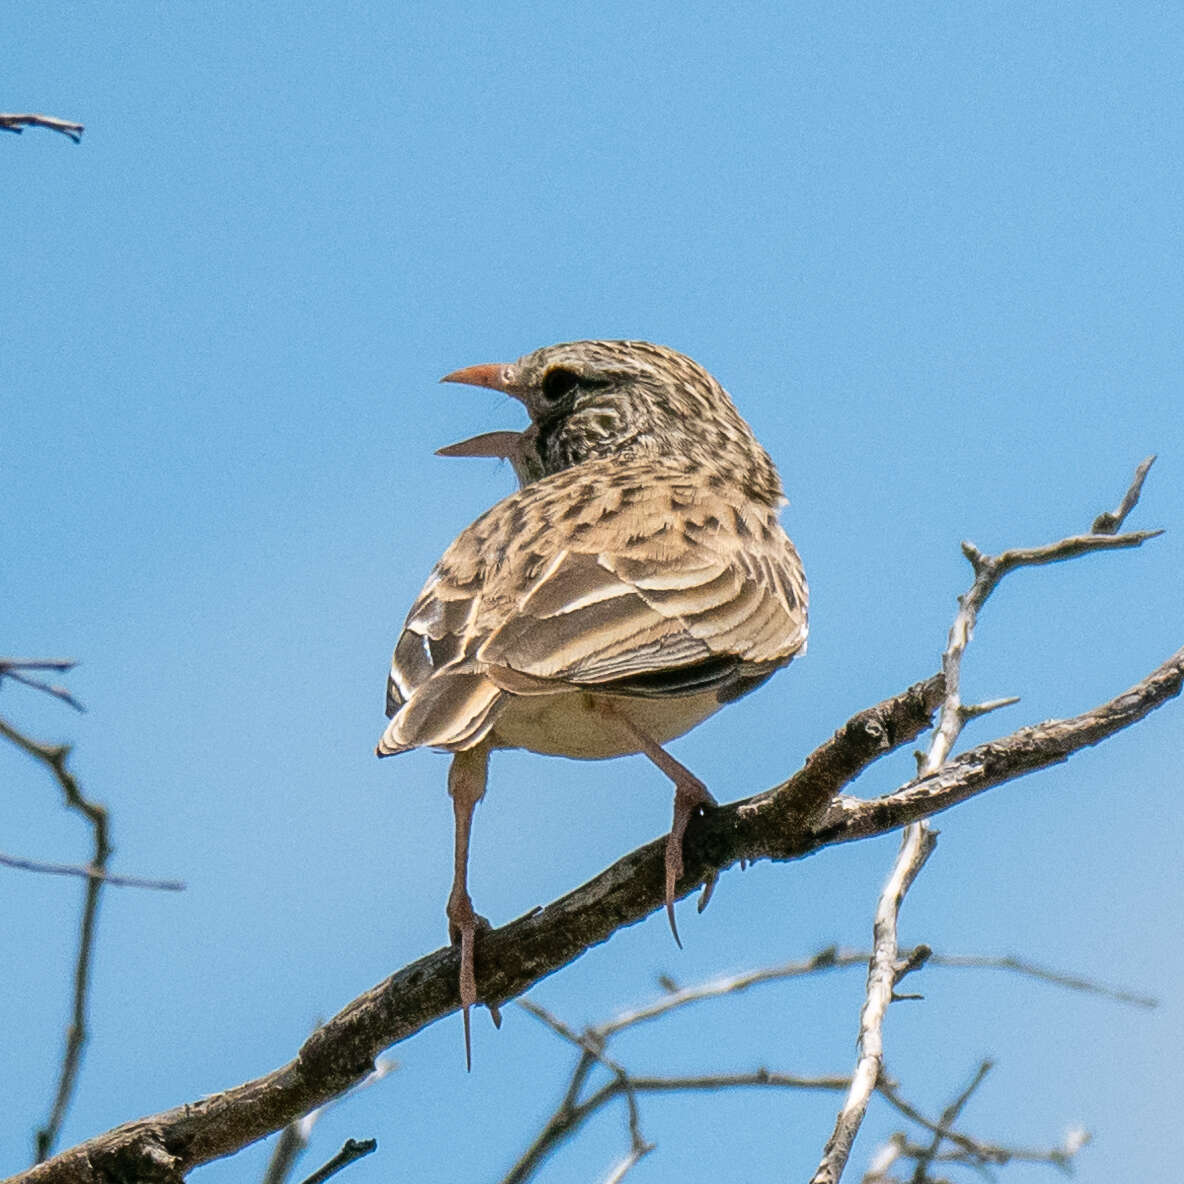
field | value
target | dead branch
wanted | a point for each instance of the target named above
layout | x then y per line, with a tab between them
295	1137
577	1104
945	1124
18	123
885	970
798	817
833	958
18	669
518	955
353	1149
54	759
89	872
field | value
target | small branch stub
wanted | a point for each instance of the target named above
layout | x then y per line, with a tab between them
11	122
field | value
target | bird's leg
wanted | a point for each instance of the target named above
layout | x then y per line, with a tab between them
466	785
690	797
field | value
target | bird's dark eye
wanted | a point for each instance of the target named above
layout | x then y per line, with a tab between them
558	382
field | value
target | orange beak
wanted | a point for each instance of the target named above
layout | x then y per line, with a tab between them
494	375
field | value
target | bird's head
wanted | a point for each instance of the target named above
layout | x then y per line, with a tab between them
593	399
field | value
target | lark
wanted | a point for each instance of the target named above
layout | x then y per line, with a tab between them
636	582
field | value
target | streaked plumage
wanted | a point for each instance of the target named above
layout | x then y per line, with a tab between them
610	577
638	581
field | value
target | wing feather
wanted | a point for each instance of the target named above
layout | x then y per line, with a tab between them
653	591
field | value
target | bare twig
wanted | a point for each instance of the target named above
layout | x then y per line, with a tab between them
635	1156
1033	970
833	958
948	1117
89	873
18	670
885	971
569	1114
54	759
979	1153
889	1153
575	1107
18	123
295	1137
353	1149
554	1132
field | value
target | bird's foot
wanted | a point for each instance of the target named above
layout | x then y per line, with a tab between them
464	924
691	797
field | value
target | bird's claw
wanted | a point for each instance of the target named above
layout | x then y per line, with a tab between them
691	797
463	927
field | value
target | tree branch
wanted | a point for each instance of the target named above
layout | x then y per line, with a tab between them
575	1107
90	872
353	1149
514	957
885	970
18	123
54	759
18	670
796	818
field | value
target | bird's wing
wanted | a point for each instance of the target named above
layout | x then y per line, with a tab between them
670	589
645	584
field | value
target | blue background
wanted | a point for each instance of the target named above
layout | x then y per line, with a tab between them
935	254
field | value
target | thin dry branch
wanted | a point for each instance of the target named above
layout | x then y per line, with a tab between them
1110	522
89	872
352	1149
54	758
17	123
295	1137
833	958
981	1154
576	1107
796	818
885	970
18	670
945	1124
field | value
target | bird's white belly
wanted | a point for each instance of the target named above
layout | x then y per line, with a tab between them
574	724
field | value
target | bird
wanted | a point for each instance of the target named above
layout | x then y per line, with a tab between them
636	582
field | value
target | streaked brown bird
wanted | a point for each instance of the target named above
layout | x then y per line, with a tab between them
637	581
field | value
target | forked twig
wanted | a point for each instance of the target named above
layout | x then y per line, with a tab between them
576	1106
18	670
884	970
945	1124
54	759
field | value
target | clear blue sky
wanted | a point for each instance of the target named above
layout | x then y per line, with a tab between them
935	254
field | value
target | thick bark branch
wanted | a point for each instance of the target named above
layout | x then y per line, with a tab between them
794	819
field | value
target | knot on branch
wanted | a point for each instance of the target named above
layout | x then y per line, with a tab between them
142	1157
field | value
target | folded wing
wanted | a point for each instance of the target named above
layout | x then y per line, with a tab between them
654	588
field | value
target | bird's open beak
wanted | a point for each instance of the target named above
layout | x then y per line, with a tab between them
496	375
503	445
